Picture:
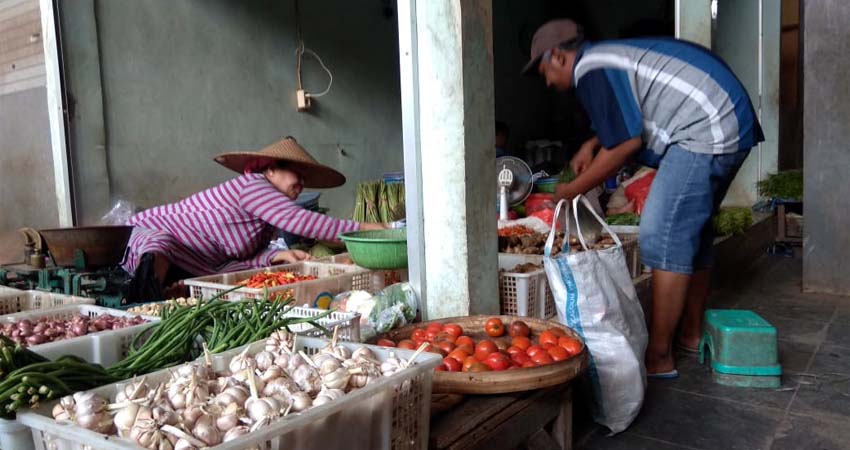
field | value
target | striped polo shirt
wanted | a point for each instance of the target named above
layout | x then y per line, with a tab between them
666	91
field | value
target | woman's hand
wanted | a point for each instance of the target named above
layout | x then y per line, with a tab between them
564	191
373	226
290	256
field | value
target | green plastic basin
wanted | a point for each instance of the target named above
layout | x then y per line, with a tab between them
379	250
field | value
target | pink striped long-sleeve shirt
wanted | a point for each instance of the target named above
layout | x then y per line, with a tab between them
226	228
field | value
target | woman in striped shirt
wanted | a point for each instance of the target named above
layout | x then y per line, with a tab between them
228	227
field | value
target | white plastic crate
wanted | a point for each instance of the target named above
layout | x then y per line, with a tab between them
380	278
93	347
14	301
332	279
392	413
524	294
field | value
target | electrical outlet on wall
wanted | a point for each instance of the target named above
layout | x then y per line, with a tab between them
302	100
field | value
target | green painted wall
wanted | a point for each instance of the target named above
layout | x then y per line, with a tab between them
184	81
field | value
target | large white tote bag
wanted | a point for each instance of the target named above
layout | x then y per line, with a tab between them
594	295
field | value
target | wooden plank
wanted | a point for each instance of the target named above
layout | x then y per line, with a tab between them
440	403
469	414
512	426
562	428
23	63
19	37
20	53
20	19
18	9
541	441
23	74
39	81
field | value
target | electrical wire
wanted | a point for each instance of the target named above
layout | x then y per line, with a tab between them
300	51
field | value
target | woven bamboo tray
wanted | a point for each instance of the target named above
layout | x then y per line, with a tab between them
505	381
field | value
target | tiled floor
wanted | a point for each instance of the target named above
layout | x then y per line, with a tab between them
810	411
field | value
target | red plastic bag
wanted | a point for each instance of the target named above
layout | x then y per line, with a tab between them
538	202
547	215
638	191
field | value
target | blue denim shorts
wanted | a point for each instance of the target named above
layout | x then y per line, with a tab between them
676	231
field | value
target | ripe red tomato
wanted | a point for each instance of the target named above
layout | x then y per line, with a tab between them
431	348
452	364
468	362
484	348
494	327
572	345
520	358
519	328
459	355
444	337
479	367
529	364
534	349
447	347
542	359
547	345
430	335
502	345
470	349
513	350
521	342
441	368
386	343
498	361
418	335
558	353
453	329
548	337
557	331
407	344
464	340
435	327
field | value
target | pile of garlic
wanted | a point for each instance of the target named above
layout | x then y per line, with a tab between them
198	408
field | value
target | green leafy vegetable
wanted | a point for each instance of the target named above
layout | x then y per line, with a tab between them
630	219
783	185
734	220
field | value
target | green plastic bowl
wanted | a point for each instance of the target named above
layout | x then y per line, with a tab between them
546	185
379	250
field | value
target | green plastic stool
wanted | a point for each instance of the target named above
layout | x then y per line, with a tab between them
741	346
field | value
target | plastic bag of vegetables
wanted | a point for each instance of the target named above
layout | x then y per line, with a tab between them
395	306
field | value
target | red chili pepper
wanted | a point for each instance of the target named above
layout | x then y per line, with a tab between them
273	279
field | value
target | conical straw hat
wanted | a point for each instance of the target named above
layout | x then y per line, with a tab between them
315	175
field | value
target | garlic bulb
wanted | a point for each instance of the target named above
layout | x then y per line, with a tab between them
164	415
337	379
282	360
295	361
132	391
391	365
329	365
242	362
264	360
129	415
363	354
327	396
91	413
234	433
300	401
191	414
279	342
206	430
306	378
64	410
271	373
321	358
233	394
339	351
363	374
182	393
229	417
183	444
280	386
147	435
262	408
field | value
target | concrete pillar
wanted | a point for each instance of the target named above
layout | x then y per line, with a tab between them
826	152
693	21
447	94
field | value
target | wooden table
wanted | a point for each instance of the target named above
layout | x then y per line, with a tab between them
533	420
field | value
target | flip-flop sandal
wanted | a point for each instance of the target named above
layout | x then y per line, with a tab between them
664	375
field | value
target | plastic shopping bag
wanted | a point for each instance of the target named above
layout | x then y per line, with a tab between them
594	295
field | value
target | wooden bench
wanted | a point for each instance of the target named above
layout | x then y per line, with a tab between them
533	420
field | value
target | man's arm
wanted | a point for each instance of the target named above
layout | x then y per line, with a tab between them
584	156
605	164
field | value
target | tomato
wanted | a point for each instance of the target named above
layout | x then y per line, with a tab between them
441	368
572	345
519	328
459	355
452	364
547	346
447	347
494	327
468	362
542	359
514	367
521	342
464	340
435	327
467	348
418	335
430	335
386	343
557	331
558	353
512	350
434	349
479	367
497	361
453	329
520	358
484	348
444	337
407	344
547	337
529	364
502	345
534	349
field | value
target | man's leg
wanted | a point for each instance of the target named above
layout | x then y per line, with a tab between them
691	327
669	294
